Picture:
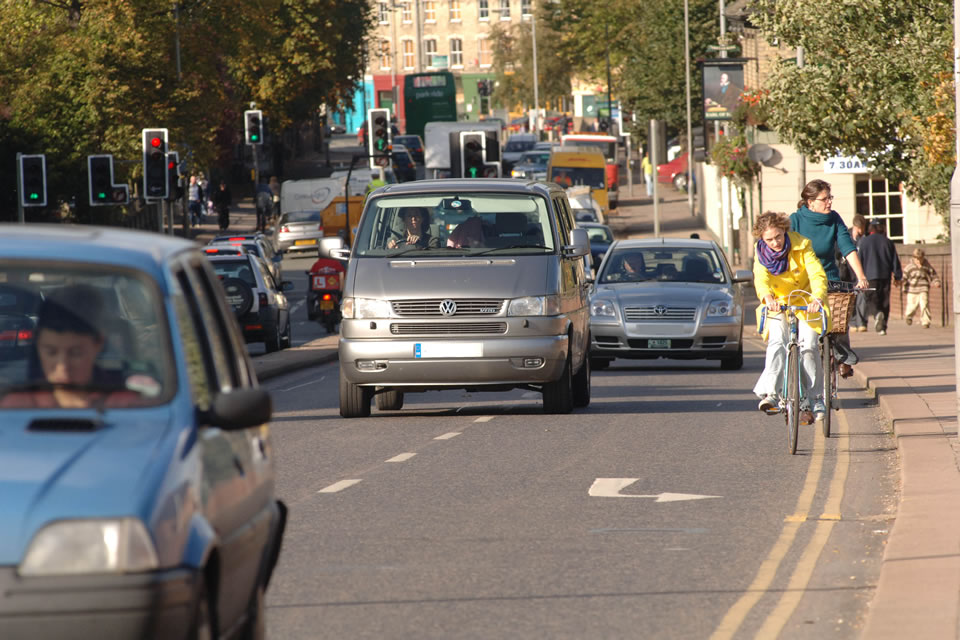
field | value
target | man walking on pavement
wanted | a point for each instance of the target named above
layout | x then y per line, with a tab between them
195	200
879	258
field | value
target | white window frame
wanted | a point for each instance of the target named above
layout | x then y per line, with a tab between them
430	9
384	12
409	55
480	51
456	12
429	48
406	12
386	54
504	10
483	10
891	192
456	56
526	8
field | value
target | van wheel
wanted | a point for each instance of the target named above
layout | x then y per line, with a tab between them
354	399
581	385
558	395
390	400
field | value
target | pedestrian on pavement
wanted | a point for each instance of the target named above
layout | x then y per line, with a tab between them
264	204
222	201
917	278
195	200
880	260
858	320
785	262
647	169
275	192
815	219
205	190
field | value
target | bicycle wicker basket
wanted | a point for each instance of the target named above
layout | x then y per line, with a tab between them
841	308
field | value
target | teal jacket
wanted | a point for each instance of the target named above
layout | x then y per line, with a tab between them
827	234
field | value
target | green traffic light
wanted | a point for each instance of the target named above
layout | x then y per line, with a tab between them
254	137
473	172
101	196
34	196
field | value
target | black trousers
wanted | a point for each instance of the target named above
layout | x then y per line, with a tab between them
879	300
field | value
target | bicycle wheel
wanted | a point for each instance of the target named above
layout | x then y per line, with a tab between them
829	381
792	413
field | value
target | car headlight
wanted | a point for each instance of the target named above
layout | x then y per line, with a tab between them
90	546
720	308
603	308
534	306
360	308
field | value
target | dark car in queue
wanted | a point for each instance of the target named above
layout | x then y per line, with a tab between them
259	245
414	145
667	298
256	298
601	237
403	165
532	165
137	482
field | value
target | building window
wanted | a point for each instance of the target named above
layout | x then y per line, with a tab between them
526	8
484	52
456	52
454	10
484	11
504	9
877	198
408	58
385	50
406	13
429	11
384	12
429	49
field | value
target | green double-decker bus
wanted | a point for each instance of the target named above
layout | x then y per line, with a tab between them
429	97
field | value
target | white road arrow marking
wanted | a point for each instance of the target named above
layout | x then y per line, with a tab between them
611	488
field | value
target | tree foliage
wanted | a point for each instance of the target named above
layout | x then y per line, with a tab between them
876	83
79	77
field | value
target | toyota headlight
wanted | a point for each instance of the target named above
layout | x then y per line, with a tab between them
71	547
534	306
360	308
603	309
720	308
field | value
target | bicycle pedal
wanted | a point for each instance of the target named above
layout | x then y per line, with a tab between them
772	412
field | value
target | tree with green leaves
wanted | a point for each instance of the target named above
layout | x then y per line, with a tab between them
876	83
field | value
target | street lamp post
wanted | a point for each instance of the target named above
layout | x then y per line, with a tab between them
686	59
536	78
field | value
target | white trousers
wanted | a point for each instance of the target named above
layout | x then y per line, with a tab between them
771	380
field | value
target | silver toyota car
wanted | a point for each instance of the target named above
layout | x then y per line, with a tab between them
473	284
667	298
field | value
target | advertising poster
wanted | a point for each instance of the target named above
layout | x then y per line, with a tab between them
722	86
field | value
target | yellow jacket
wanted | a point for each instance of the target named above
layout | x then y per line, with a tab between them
804	273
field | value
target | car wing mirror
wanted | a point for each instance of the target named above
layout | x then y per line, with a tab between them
238	409
743	275
286	285
579	244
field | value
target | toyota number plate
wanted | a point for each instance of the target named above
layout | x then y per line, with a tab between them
658	344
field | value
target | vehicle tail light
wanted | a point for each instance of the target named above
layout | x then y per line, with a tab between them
320	227
25	335
284	229
263	300
327	296
253	327
237	239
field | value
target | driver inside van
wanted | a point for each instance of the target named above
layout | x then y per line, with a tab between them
416	230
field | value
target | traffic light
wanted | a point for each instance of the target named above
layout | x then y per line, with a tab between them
173	175
103	191
155	182
379	138
471	154
33	180
253	126
492	167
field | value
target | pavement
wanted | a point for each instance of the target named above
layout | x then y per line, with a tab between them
910	371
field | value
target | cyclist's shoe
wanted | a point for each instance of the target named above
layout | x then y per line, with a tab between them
769	404
819	409
806	417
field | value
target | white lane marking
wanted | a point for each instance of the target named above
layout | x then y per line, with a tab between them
611	487
447	436
403	457
339	486
296	305
484	419
304	384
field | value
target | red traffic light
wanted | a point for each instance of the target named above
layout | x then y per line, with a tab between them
155	142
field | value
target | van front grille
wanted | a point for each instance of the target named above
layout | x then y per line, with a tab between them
446	328
431	308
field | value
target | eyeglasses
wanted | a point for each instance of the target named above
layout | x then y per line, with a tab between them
827	199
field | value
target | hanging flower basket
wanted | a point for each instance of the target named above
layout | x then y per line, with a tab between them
729	155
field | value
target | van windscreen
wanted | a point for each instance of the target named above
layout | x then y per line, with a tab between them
445	224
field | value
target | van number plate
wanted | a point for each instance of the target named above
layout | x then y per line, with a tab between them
448	350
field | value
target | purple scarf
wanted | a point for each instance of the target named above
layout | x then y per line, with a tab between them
775	261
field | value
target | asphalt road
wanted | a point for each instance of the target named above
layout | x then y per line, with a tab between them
477	516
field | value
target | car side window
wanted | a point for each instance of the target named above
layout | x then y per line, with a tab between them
198	366
220	350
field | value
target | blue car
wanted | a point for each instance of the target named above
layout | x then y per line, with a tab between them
136	465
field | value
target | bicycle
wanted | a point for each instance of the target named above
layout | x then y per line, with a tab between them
791	390
840	297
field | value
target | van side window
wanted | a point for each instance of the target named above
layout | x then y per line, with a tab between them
564	219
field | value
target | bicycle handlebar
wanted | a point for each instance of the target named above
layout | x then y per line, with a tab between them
794	307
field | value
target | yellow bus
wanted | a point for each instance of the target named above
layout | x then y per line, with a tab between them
584	166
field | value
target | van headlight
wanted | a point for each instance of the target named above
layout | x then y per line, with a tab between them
72	547
534	306
360	308
720	308
603	309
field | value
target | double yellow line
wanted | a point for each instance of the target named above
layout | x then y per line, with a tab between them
800	578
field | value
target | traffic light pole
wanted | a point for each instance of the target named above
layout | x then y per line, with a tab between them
256	171
20	216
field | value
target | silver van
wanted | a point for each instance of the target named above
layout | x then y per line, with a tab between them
472	284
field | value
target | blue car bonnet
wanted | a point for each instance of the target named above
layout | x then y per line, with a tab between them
49	474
